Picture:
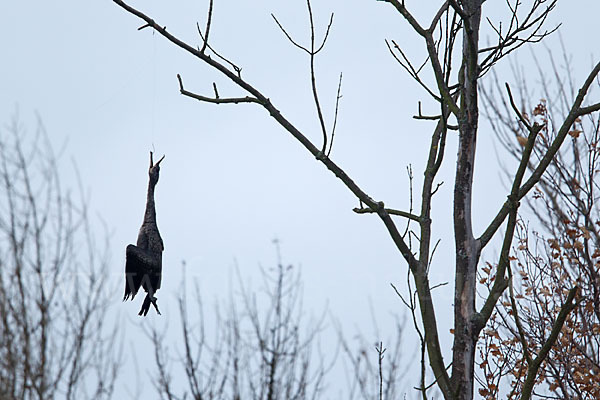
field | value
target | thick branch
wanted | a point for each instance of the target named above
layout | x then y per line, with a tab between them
448	105
501	283
434	161
390	211
589	109
575	112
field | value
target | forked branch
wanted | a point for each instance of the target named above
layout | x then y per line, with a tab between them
575	112
520	31
216	99
427	35
312	52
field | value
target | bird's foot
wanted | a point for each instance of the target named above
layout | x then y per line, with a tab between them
153	300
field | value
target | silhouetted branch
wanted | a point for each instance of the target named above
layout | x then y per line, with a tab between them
216	99
312	53
520	31
389	211
207	30
335	117
433	118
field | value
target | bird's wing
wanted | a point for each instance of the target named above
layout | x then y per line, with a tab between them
139	265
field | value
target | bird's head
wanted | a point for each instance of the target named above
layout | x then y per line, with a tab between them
154	170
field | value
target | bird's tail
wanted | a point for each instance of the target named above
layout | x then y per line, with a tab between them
149	299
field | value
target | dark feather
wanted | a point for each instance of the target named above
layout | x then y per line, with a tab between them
142	269
134	271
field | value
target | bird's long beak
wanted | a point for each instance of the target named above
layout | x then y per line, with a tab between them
162	158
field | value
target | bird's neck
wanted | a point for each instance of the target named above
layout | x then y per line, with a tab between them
150	214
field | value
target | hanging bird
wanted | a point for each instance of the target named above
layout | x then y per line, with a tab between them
143	265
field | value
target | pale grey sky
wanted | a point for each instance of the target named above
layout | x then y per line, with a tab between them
233	180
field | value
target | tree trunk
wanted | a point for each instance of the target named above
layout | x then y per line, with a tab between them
467	248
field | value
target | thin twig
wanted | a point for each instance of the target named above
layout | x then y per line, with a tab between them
380	350
289	36
516	317
516	109
326	34
409	172
237	69
407	65
207	30
337	102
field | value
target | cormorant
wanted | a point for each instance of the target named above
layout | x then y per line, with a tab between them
143	266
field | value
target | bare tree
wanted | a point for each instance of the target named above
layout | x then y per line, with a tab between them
53	338
375	371
562	249
450	74
263	349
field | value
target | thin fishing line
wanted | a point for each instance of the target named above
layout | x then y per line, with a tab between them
153	118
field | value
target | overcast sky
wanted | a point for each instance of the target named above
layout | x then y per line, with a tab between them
233	180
